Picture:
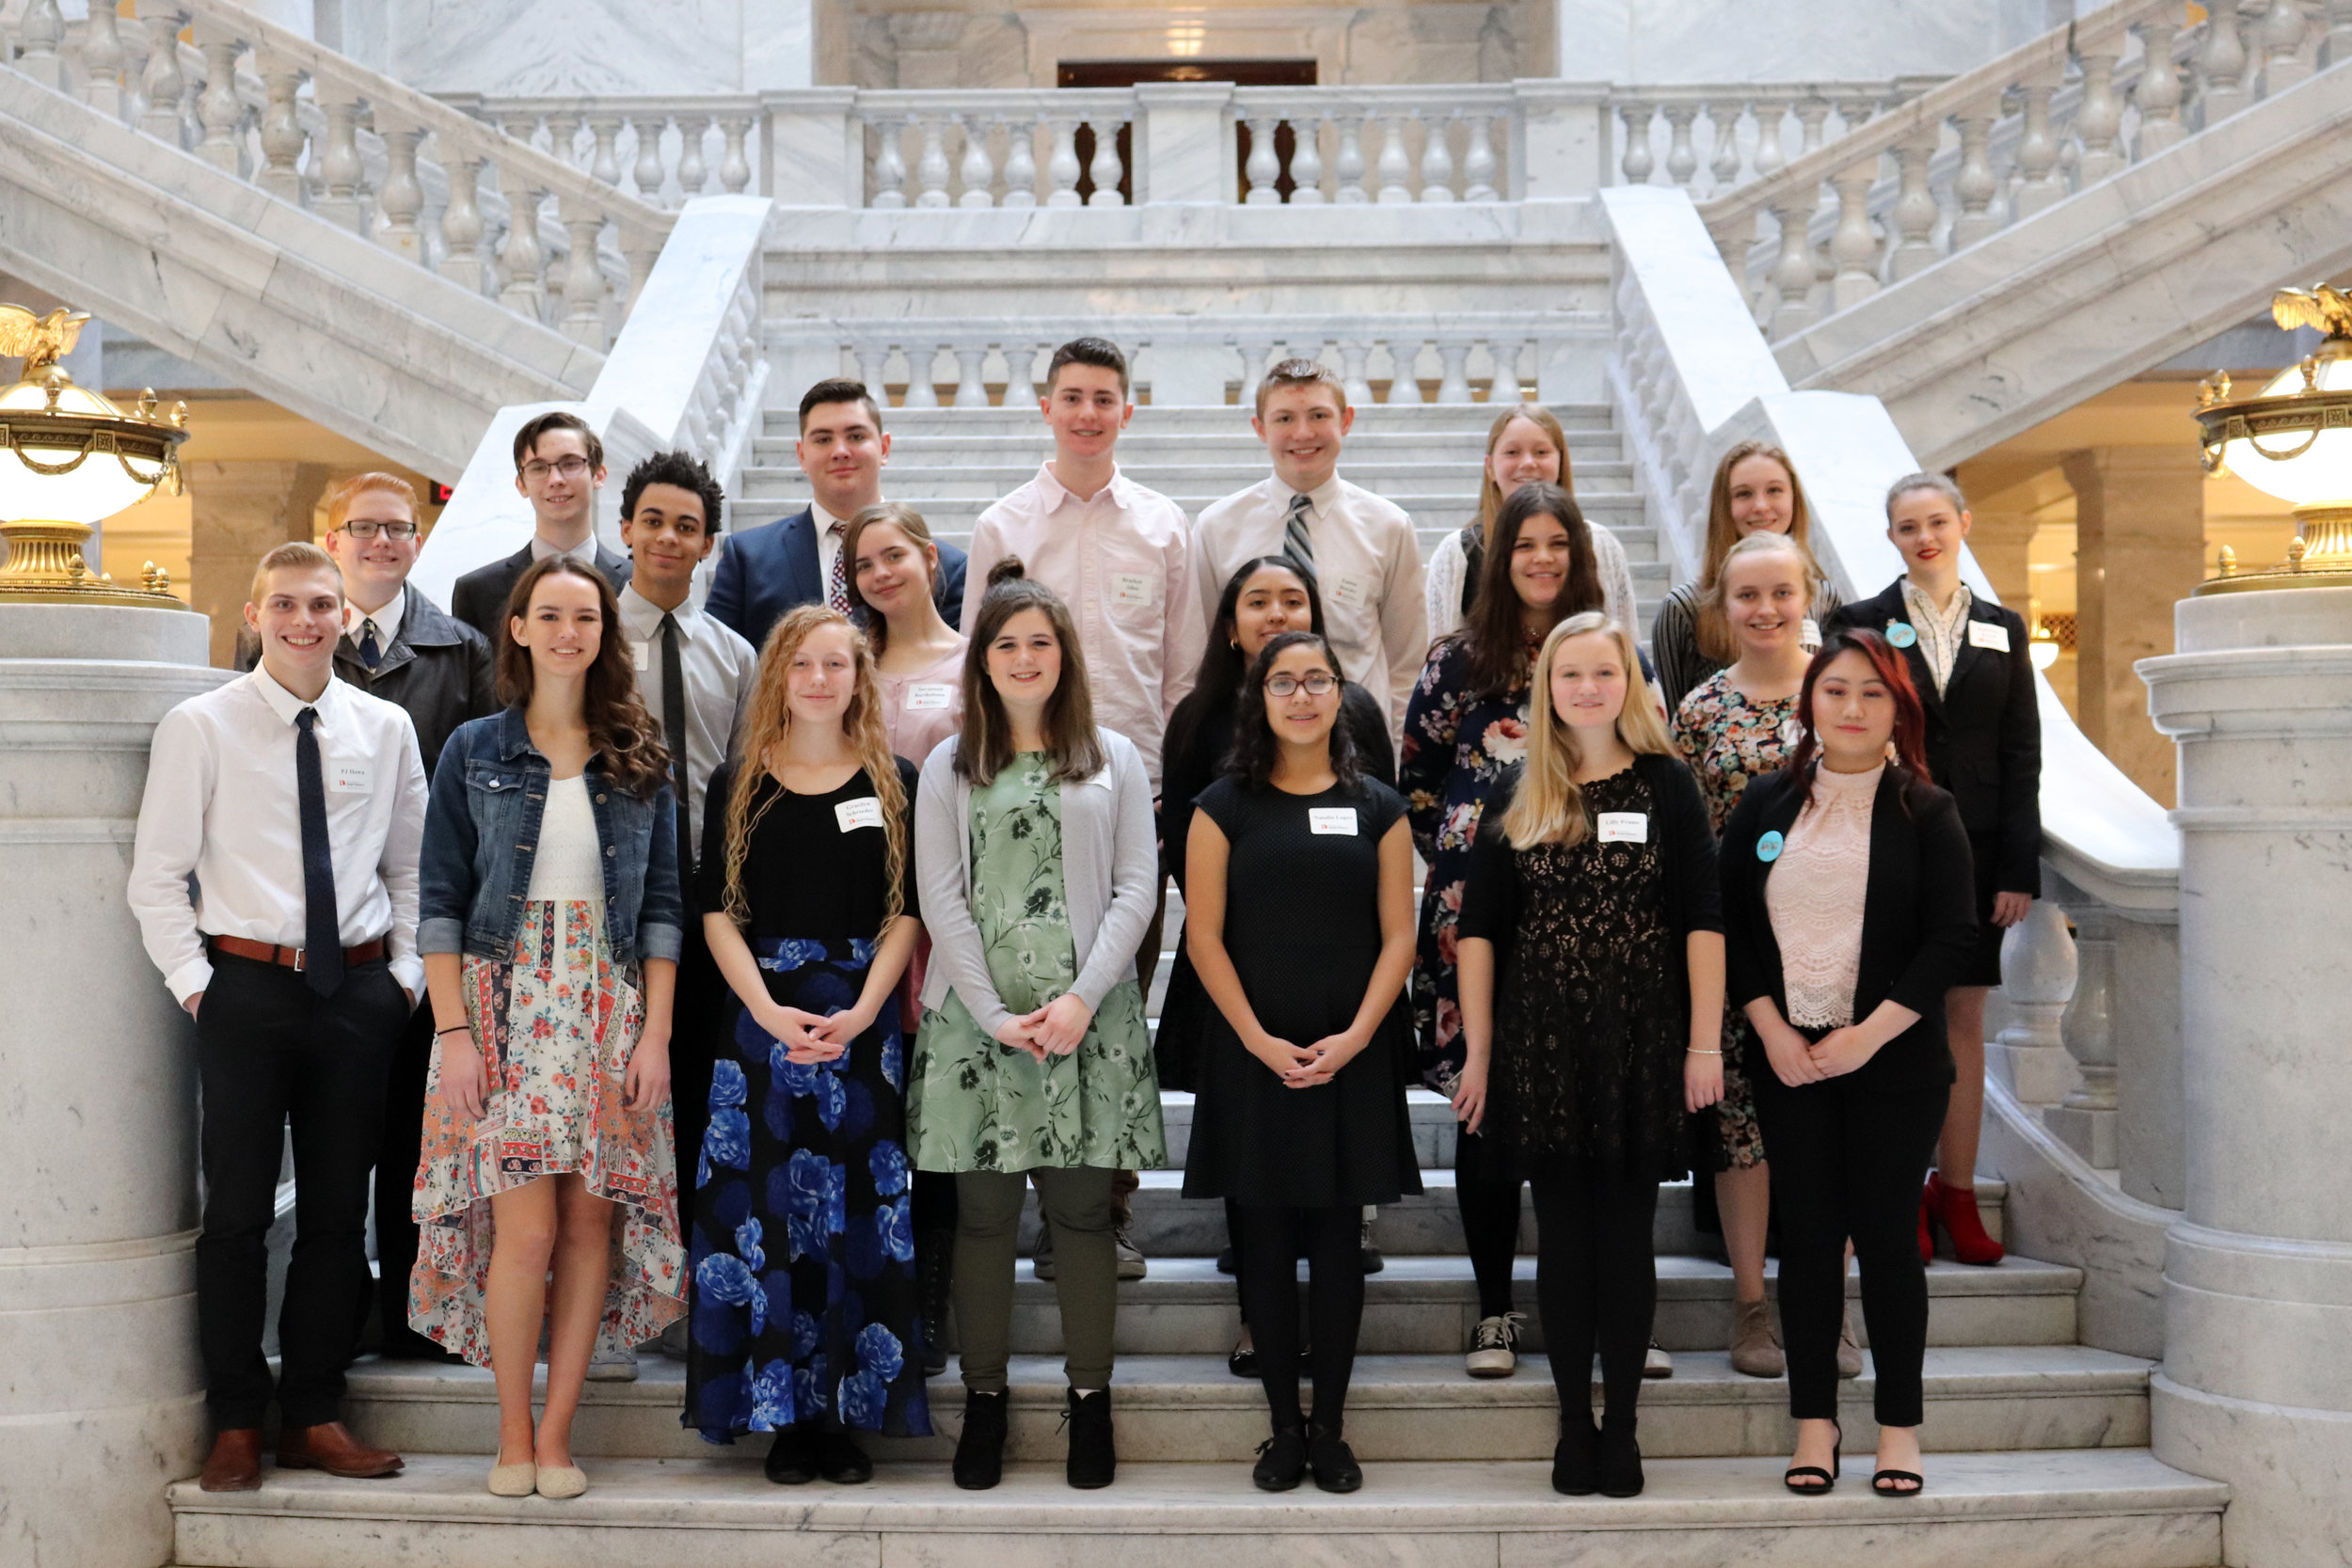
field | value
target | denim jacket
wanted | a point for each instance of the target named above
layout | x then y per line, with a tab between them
481	828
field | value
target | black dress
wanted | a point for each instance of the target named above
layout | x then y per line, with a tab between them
1592	995
1302	924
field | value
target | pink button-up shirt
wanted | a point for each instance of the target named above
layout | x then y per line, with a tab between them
1123	562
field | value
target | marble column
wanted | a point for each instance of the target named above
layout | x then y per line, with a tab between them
2256	1388
2000	541
2140	522
102	1404
240	510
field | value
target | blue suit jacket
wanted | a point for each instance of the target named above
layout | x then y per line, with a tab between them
763	572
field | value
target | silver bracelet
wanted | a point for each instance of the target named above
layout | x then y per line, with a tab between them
1694	1050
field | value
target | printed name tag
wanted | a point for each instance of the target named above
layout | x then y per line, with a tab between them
641	654
928	696
1809	633
853	815
1349	589
1134	588
1623	827
1988	634
1331	820
350	778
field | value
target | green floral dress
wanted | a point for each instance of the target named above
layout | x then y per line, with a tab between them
976	1103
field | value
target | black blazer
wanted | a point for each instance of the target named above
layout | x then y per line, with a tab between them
1984	736
440	670
765	572
480	597
1919	916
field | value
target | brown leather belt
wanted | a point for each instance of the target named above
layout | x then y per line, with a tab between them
291	957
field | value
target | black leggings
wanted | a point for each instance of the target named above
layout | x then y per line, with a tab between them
1272	1241
1487	1191
1597	1286
1849	1164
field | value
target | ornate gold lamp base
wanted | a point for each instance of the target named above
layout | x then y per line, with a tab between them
45	565
2320	556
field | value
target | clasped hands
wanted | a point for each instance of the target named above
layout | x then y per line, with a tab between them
1797	1061
1305	1067
811	1038
1053	1029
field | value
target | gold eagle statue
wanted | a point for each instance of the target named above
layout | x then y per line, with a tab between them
40	341
2322	305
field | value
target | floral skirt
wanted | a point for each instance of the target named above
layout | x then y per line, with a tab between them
556	1024
1738	1136
805	1299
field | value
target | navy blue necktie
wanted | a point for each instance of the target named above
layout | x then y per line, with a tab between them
322	929
371	652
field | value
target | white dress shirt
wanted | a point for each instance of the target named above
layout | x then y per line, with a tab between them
584	553
222	803
1123	562
720	668
1367	567
387	618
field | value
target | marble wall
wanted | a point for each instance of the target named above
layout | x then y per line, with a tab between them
578	46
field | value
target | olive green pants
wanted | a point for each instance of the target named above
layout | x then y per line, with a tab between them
1076	1201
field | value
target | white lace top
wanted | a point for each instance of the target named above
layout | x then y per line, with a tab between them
568	866
1815	895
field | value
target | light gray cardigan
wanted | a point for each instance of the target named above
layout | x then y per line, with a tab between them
1110	862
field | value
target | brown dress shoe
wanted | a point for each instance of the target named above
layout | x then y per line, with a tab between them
235	1463
331	1448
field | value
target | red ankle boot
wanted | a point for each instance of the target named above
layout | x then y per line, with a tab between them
1956	1211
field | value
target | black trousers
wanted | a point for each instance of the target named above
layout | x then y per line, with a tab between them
1487	1190
701	1005
1273	1238
270	1052
1597	1286
1849	1163
400	1148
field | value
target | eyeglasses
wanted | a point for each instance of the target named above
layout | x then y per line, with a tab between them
1319	683
364	529
570	467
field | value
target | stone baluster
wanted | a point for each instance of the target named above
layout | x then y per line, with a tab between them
1263	167
1255	352
584	280
646	171
1347	169
921	391
1478	159
282	138
2099	118
1454	369
1436	160
604	161
1105	168
873	362
971	389
693	169
1793	274
136	48
1812	114
1723	168
1020	374
402	196
1638	162
1771	114
2336	47
2038	978
1061	166
640	249
735	169
1307	160
2085	1121
931	169
2157	95
980	179
522	258
563	138
1915	208
890	166
340	165
1353	355
39	32
1021	162
1856	112
1682	159
2223	63
1974	184
165	82
2281	37
1395	167
1853	247
462	227
1404	371
1506	353
2039	183
101	60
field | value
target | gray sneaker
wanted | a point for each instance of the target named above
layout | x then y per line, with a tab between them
1131	1261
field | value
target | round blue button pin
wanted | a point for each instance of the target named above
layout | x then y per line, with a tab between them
1768	848
1901	634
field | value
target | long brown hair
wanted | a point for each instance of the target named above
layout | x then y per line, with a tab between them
1497	637
986	745
899	514
622	733
1548	805
767	723
1714	632
1490	493
1910	719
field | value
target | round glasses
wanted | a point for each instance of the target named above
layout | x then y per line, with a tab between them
1318	683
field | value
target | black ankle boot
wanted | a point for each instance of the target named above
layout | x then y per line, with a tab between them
1576	1458
840	1459
1281	1459
793	1457
980	1451
1093	1459
1620	1461
934	1270
1332	1460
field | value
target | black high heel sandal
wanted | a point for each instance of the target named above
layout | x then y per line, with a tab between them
1828	1477
1879	1483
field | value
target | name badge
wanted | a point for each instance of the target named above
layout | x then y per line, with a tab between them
1768	848
853	815
1349	589
640	654
1623	827
1901	634
1988	634
1809	633
1331	820
929	697
1132	588
350	778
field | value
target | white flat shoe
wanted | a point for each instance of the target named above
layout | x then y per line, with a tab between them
562	1481
514	1480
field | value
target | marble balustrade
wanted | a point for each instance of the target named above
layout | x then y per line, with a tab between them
666	151
1712	139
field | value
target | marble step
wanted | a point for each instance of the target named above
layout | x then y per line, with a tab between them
1234	443
1442	418
1399	1407
2104	1508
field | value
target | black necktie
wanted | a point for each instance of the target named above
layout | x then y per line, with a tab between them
674	730
371	651
322	929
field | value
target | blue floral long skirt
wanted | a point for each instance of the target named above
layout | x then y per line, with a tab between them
802	1286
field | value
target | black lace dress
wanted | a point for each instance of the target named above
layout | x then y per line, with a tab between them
1592	996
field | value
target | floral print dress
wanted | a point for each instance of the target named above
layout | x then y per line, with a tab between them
1729	739
1458	744
976	1103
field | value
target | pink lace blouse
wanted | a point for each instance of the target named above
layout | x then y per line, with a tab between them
1814	894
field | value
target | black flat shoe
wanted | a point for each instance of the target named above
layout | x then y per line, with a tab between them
793	1457
980	1461
1243	1362
839	1460
1094	1457
1229	1261
1576	1458
1620	1462
1281	1460
1880	1483
1332	1460
1811	1472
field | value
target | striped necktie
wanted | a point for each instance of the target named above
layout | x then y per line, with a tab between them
1295	541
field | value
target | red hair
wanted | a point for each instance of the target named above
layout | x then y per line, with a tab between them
1910	719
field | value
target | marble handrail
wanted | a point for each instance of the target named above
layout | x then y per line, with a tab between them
664	149
1434	143
300	123
1748	130
943	148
